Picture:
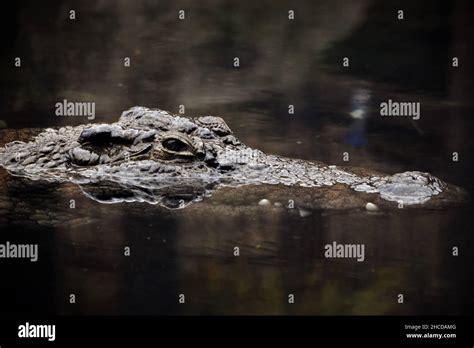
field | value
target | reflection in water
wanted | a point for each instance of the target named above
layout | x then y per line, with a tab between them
360	105
190	251
171	195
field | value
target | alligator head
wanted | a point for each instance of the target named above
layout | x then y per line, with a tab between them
153	156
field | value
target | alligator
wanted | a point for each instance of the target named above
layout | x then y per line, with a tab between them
154	156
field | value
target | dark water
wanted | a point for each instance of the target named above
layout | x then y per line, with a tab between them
282	62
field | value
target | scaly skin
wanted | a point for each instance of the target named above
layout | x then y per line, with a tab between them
156	157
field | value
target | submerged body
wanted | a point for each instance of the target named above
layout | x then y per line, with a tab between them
151	155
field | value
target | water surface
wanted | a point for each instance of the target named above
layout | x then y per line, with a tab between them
282	62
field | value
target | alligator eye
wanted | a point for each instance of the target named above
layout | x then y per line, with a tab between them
178	145
174	145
